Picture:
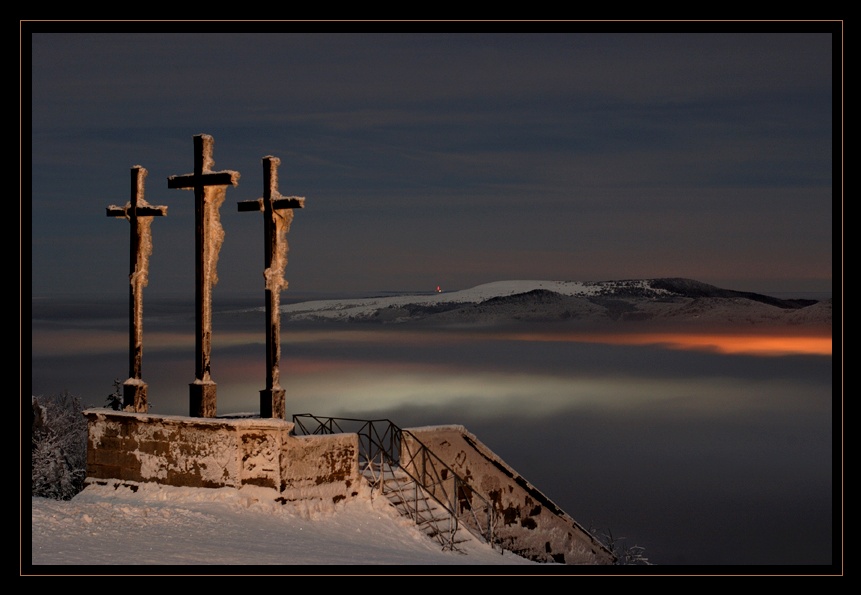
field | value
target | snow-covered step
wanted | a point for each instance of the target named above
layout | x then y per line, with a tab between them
413	502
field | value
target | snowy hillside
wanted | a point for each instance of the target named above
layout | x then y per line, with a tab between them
165	525
676	300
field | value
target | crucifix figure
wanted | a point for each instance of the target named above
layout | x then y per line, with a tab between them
139	213
209	191
277	216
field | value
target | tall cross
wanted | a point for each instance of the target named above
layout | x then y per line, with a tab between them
209	191
139	213
277	216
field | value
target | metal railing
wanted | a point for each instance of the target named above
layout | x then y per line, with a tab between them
385	449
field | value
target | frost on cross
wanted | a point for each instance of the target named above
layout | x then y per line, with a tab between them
277	217
209	192
139	213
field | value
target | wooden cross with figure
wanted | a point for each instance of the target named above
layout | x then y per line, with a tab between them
139	213
209	192
277	216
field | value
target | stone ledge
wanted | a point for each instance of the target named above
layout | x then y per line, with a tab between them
220	452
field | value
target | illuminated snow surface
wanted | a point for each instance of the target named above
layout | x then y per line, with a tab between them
164	525
350	308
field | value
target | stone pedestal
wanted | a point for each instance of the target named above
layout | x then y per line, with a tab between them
272	403
202	399
134	395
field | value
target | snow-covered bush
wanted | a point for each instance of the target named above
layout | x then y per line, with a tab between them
626	555
59	446
115	399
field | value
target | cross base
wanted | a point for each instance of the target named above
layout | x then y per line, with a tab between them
272	403
202	402
134	395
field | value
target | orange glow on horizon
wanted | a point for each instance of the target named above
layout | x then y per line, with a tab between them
764	345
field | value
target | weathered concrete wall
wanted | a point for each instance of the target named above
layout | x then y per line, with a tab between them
528	523
320	466
213	453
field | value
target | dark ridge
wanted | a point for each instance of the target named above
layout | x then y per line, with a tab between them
616	308
427	310
536	296
696	289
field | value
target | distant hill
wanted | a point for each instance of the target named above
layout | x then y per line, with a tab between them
661	300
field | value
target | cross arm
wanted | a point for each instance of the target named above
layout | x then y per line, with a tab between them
285	202
289	202
148	211
221	178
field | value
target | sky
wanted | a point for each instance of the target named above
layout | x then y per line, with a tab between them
108	531
450	154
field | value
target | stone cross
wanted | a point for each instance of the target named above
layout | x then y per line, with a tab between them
209	191
277	216
139	213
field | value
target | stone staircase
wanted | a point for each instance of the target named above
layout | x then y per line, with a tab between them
412	501
417	483
513	516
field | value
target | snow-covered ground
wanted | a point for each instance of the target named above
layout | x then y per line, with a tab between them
164	525
358	307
